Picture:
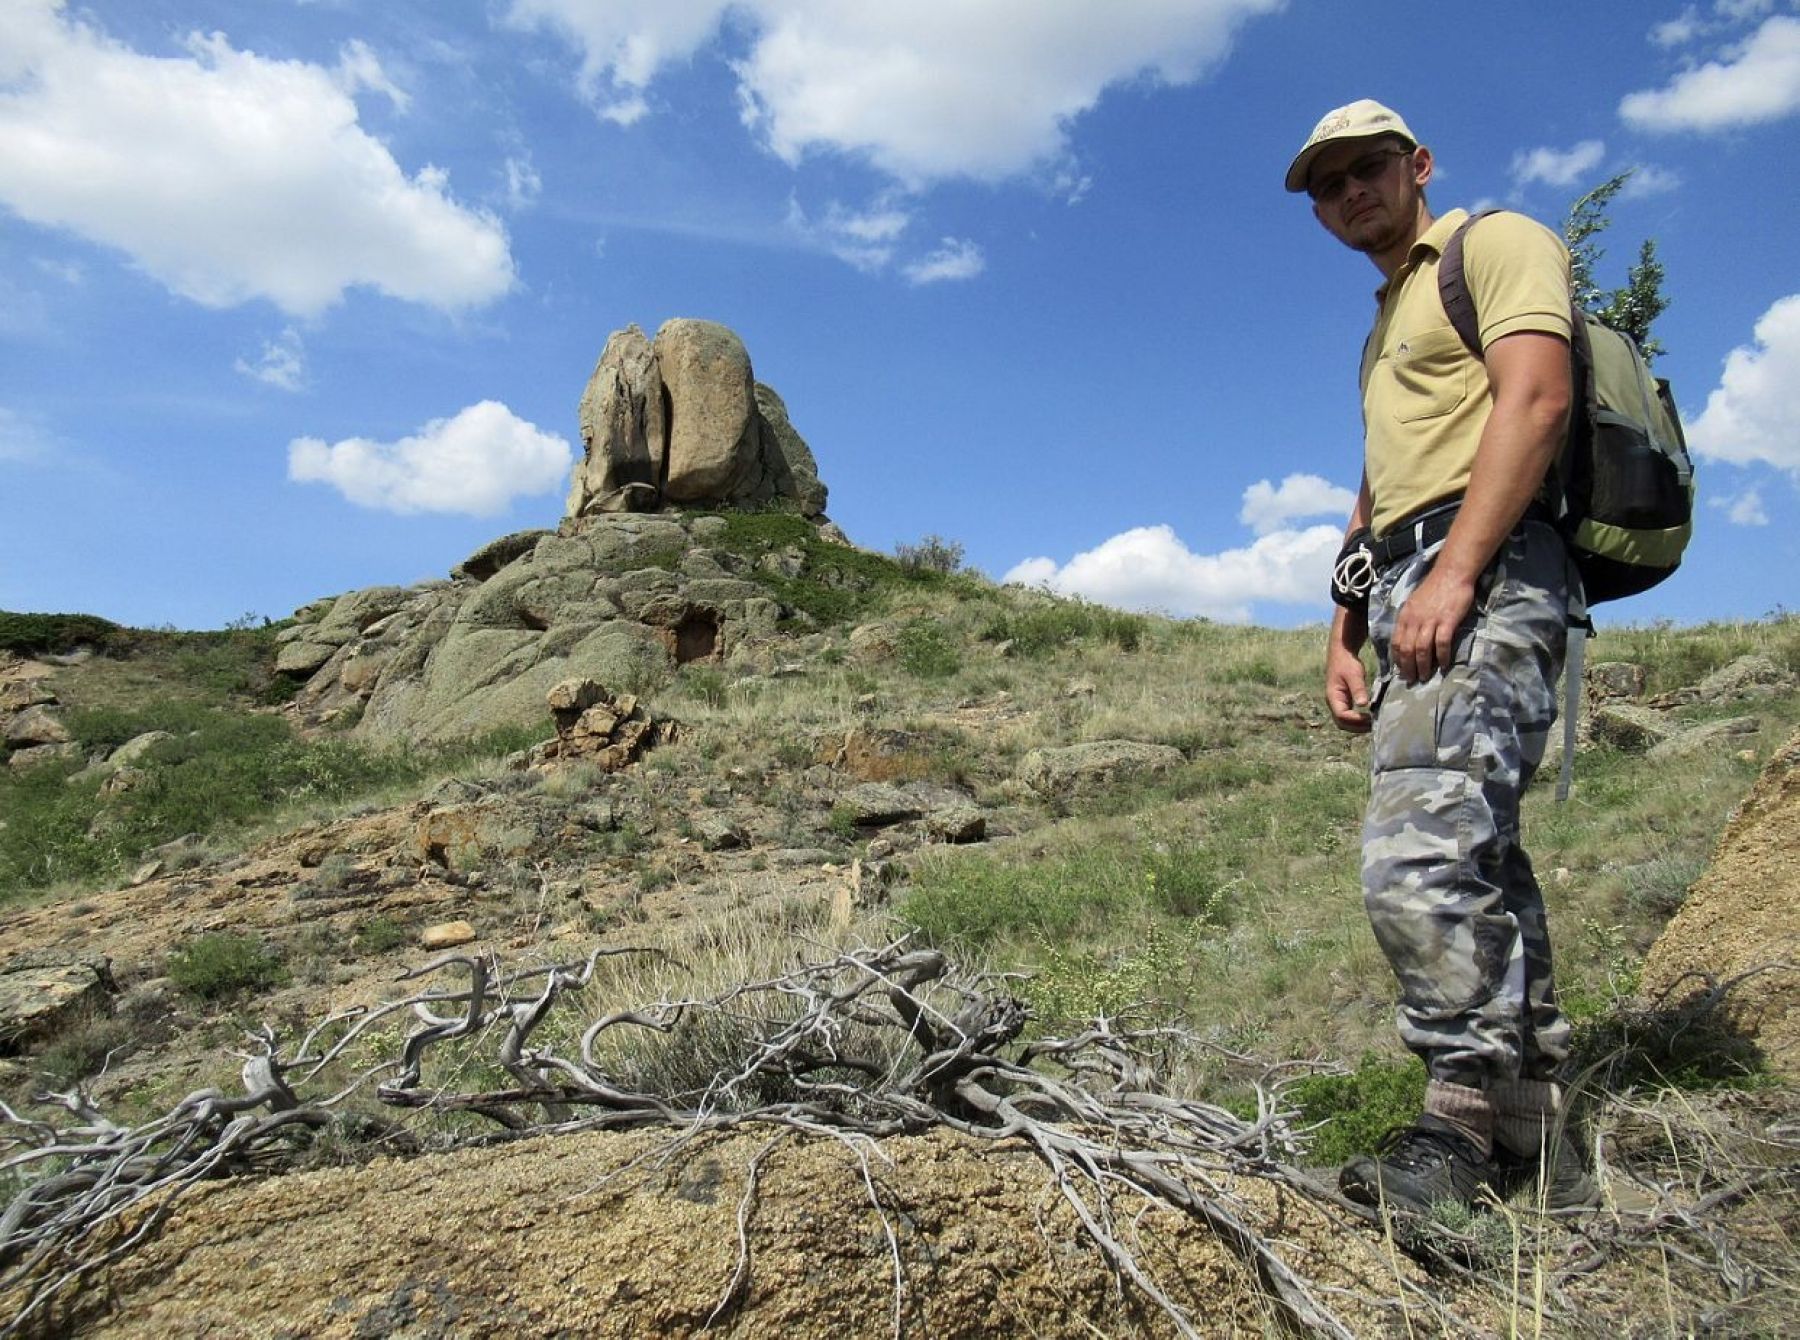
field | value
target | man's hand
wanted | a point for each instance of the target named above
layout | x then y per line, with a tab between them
1425	629
1346	684
1347	691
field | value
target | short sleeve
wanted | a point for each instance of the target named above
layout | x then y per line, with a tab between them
1518	275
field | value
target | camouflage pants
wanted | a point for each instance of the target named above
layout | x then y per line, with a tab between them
1449	889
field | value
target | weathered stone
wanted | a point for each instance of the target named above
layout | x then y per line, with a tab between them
874	755
303	658
1615	679
19	691
33	755
1749	676
460	837
959	823
787	462
874	641
1709	735
134	749
713	430
36	725
876	805
1628	727
447	935
1095	766
624	427
125	779
350	615
496	554
719	832
572	697
43	991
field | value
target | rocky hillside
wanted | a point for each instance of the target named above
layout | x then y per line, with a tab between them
683	919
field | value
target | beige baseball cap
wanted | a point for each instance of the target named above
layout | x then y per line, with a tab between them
1364	119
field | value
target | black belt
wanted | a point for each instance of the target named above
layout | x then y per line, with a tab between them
1424	529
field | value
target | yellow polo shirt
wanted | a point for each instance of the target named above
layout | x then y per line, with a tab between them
1425	396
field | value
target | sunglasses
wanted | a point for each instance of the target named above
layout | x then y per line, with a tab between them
1365	169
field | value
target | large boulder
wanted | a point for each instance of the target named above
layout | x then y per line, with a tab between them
622	423
713	429
681	421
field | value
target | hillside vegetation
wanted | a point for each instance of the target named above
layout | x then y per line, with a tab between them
252	871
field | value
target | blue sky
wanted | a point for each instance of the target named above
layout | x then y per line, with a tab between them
299	296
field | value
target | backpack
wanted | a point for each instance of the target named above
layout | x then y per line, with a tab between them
1623	485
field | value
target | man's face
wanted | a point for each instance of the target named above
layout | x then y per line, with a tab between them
1367	194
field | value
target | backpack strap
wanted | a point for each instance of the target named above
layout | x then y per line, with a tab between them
1453	285
1459	306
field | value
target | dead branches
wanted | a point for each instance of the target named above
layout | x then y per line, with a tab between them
863	1045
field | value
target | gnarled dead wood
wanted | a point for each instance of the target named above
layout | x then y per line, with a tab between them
858	1046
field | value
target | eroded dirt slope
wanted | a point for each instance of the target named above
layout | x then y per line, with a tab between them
562	1236
1744	914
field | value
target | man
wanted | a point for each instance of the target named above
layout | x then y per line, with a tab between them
1469	610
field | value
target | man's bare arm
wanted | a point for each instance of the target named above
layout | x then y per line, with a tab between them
1529	373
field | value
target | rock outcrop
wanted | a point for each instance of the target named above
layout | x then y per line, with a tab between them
682	421
631	584
619	599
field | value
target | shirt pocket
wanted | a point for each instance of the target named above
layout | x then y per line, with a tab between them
1427	375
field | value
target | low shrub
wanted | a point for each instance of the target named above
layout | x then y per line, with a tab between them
41	634
377	935
1353	1112
215	966
926	651
1042	630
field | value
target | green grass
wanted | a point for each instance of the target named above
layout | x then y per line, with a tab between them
838	584
977	902
222	771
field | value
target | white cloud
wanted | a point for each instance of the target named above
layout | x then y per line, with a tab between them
1647	180
955	258
1752	413
70	272
1756	81
475	463
228	176
358	69
924	91
1679	31
1744	509
1557	167
282	363
863	238
22	438
1268	509
1738	10
523	185
624	43
1149	568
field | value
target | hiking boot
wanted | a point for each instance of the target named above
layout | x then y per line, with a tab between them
1417	1167
1559	1182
